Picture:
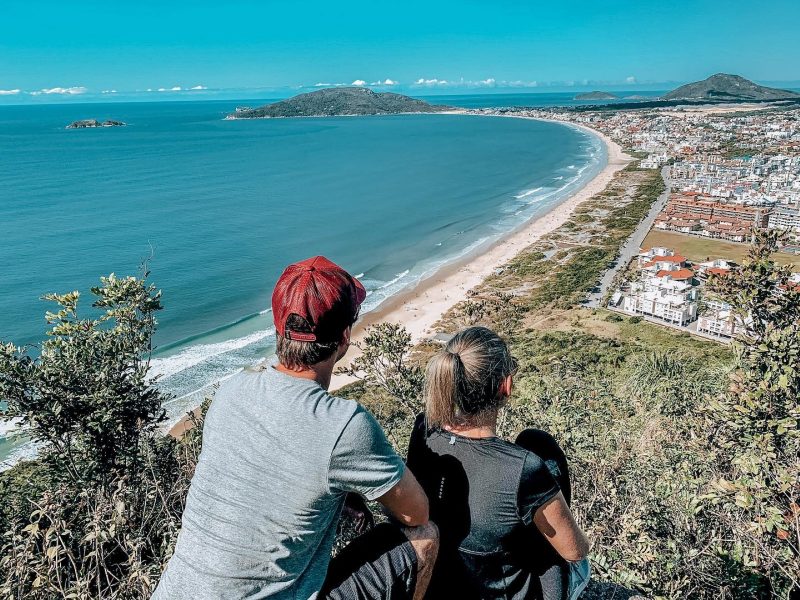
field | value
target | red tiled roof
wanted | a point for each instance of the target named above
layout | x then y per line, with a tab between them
679	275
673	259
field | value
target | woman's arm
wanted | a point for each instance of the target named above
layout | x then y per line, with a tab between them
555	522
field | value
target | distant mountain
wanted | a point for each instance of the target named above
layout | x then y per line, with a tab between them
727	87
596	96
340	101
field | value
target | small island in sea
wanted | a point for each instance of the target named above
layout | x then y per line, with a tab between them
342	101
596	95
90	123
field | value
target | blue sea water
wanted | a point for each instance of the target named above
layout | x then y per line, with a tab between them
220	207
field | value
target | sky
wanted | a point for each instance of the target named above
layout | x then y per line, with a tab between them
60	51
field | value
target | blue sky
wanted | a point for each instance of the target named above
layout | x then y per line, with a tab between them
80	49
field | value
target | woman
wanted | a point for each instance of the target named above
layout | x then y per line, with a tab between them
502	508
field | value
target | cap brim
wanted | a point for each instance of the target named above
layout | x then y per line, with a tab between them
361	293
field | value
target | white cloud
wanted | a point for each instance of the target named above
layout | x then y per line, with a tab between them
630	79
70	91
199	87
431	82
109	92
175	88
386	81
149	89
359	82
320	84
162	89
488	82
9	92
520	83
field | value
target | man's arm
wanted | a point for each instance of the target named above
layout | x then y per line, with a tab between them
407	501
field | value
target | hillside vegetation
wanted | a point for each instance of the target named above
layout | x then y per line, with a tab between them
728	87
685	455
340	101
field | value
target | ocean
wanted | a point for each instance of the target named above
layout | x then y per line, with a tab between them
218	208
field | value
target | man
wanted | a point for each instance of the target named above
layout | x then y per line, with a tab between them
279	457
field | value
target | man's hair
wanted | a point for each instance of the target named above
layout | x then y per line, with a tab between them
295	354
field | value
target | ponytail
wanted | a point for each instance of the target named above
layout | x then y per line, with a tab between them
441	388
464	379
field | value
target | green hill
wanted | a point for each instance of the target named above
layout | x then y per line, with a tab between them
728	87
596	95
340	101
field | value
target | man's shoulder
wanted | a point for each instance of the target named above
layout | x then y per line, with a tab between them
262	391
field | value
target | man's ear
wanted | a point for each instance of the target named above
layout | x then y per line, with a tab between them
344	344
506	386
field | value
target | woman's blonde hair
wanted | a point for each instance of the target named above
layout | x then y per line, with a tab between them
463	380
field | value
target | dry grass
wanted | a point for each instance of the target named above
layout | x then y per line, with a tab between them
700	249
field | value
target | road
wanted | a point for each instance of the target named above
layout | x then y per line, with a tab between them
631	246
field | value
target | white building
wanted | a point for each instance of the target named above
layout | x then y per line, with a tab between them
669	296
718	320
785	217
718	266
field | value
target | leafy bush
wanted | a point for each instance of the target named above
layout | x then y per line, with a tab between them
97	515
757	422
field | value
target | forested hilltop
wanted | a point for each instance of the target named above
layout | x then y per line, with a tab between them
723	87
340	101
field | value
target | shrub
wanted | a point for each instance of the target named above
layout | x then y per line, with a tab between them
96	516
756	424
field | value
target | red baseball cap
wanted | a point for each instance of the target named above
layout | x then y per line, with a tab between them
322	293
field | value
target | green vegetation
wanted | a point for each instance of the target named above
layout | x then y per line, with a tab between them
731	150
341	101
687	486
725	87
757	492
97	514
599	228
644	413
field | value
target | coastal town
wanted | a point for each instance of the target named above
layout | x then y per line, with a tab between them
729	171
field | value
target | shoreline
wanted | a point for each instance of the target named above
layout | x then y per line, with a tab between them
422	304
419	307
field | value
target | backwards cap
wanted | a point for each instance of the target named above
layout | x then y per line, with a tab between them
323	294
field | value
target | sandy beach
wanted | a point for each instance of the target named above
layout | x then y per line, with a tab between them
418	308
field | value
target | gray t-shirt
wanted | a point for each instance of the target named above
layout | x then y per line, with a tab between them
279	454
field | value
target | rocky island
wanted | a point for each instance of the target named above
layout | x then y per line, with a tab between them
722	87
329	102
89	123
596	95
